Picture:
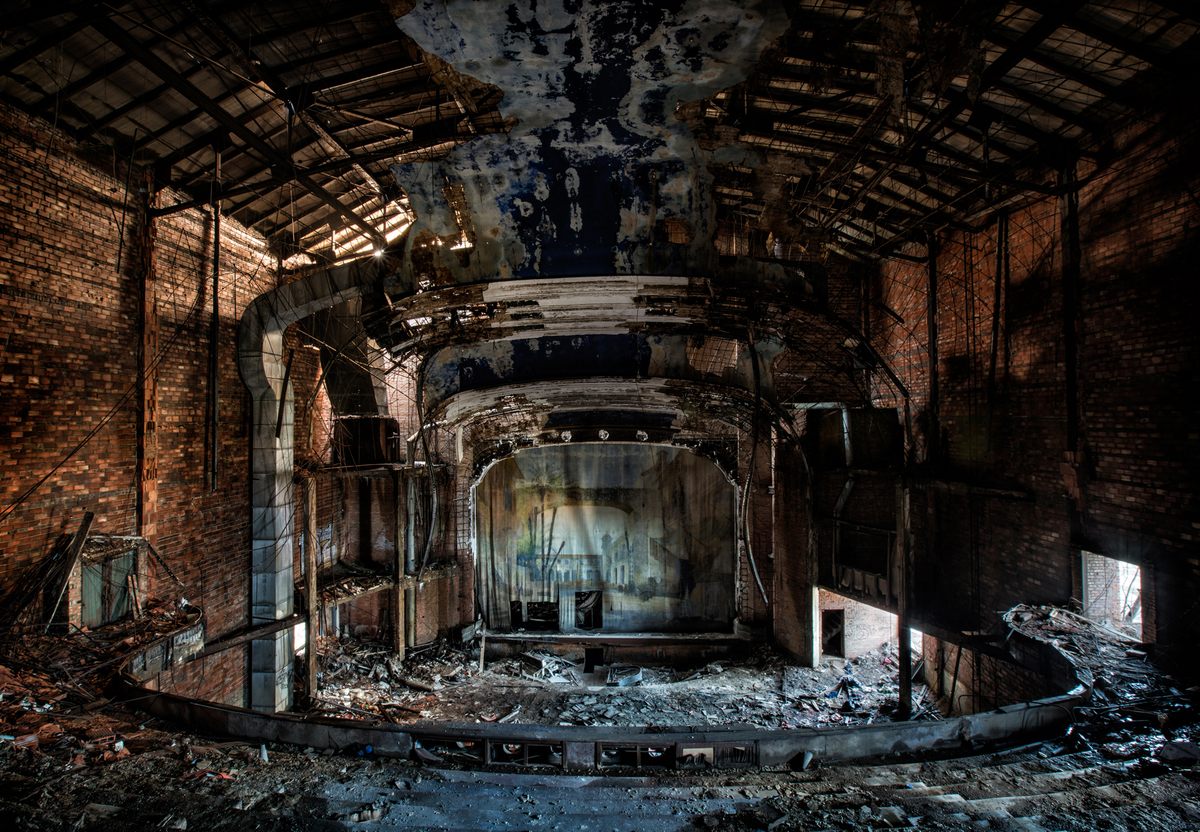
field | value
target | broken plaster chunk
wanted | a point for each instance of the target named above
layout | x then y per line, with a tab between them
893	817
1180	752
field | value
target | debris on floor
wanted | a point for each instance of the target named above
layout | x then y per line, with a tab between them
765	690
1138	714
70	762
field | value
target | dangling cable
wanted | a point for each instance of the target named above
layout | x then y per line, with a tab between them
433	501
746	534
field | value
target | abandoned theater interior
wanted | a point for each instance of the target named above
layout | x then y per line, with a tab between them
474	414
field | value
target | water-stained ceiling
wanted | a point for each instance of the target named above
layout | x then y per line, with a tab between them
507	153
826	123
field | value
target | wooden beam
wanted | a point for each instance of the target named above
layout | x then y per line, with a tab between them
274	83
333	167
1148	53
1052	108
95	76
804	102
958	101
369	44
327	15
328	83
143	54
249	634
147	435
42	42
71	556
1134	99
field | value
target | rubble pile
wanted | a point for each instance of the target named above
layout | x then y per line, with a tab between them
358	677
1138	714
84	660
70	762
764	690
51	700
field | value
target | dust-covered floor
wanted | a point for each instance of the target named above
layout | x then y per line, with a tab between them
764	690
70	759
166	779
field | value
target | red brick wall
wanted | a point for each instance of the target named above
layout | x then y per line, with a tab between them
437	604
1137	371
216	678
69	345
369	515
1103	590
69	301
965	681
70	353
866	627
202	533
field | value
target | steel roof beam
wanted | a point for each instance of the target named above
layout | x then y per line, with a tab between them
142	53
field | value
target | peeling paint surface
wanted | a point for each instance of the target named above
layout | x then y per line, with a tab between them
501	362
597	159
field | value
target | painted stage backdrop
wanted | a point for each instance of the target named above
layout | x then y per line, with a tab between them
605	537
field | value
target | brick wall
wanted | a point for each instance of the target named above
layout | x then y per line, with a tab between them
1103	593
865	627
69	343
369	514
216	678
437	605
967	681
69	360
1130	490
203	533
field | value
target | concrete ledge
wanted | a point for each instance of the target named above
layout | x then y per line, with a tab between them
620	747
647	748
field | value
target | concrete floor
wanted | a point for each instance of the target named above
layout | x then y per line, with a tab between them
1041	787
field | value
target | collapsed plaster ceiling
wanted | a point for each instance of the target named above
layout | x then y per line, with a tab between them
836	124
597	159
688	173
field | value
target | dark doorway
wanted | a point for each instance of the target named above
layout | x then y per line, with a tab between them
541	616
589	611
833	633
105	589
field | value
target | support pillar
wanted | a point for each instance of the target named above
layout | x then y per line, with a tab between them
903	603
796	612
410	557
147	436
312	599
810	597
272	532
261	362
399	623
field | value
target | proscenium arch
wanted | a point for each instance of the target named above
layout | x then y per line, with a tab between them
262	364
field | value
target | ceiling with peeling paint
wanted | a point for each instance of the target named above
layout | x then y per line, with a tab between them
830	125
658	211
